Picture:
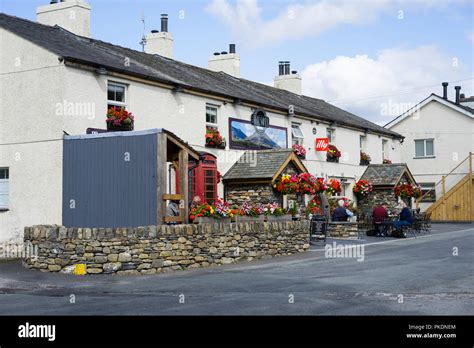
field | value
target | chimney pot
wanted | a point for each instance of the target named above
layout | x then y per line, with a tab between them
223	52
458	89
154	31
294	72
231	48
164	22
445	90
287	68
217	54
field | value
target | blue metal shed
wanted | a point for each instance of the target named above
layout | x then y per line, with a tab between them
118	179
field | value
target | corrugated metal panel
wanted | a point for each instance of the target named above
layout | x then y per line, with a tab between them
101	188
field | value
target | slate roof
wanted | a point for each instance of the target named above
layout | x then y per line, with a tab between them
263	164
96	53
386	174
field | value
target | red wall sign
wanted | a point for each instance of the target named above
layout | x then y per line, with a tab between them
322	144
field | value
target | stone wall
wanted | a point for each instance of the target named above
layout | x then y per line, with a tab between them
156	249
343	230
236	194
377	197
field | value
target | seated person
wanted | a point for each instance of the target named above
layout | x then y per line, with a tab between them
379	215
340	213
173	209
406	218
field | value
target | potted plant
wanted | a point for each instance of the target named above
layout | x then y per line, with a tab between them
273	212
362	188
250	213
386	161
214	138
220	211
364	159
333	154
119	119
314	207
299	151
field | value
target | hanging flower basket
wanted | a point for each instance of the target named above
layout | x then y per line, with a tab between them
362	188
407	191
333	154
333	187
119	119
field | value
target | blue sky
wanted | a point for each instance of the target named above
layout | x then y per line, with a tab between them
359	55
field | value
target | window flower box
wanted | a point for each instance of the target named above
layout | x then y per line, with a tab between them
364	159
299	151
214	139
119	119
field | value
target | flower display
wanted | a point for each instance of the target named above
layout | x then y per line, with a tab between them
303	183
333	187
364	158
273	209
119	117
222	208
362	188
407	191
202	210
214	138
299	150
252	209
386	161
333	152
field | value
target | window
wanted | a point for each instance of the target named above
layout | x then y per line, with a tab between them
116	95
424	148
211	114
384	149
331	135
430	188
210	186
297	134
4	188
362	139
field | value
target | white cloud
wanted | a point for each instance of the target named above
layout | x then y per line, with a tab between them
470	37
379	88
295	21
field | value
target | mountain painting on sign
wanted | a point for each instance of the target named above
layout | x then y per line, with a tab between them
244	135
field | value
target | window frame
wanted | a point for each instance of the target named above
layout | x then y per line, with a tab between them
385	149
331	135
212	124
362	142
114	102
424	148
426	186
5	180
296	138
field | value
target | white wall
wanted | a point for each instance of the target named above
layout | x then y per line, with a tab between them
31	82
453	135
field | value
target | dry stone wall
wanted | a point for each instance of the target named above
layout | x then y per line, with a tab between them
156	249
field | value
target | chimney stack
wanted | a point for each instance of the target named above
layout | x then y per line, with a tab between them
458	89
160	43
226	62
288	81
445	90
72	15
